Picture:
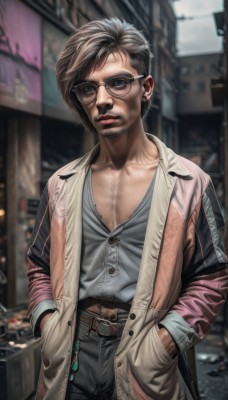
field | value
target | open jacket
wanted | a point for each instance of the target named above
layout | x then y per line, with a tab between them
182	280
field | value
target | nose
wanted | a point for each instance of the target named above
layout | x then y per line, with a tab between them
103	98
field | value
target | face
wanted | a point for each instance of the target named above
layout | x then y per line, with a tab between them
114	116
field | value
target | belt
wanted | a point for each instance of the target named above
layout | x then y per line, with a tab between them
105	309
102	326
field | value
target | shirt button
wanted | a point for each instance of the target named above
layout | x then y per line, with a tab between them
131	333
113	316
69	323
112	270
119	364
132	316
112	240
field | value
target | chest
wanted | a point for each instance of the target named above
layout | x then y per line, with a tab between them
117	193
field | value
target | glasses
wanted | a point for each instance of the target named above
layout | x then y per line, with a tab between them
117	86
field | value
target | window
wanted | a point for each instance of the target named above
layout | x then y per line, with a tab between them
214	69
185	87
185	69
199	68
200	86
57	149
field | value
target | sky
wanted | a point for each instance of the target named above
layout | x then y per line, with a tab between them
198	35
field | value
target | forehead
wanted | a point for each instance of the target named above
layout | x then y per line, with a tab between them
115	63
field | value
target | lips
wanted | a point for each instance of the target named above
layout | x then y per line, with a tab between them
106	118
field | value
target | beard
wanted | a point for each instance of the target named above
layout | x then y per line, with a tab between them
110	132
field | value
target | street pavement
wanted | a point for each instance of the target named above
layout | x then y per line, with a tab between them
212	368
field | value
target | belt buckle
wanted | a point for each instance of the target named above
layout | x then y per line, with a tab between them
102	327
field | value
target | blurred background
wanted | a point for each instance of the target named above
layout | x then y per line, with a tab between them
38	134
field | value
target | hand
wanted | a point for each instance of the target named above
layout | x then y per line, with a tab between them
43	320
168	342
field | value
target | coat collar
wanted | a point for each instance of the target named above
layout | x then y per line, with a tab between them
75	166
169	160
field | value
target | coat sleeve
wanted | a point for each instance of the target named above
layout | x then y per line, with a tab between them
204	276
39	281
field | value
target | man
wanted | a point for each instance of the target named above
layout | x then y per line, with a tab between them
126	267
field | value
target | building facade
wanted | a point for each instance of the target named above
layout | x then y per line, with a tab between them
201	136
165	68
219	96
38	133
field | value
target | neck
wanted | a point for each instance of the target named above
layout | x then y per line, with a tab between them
126	149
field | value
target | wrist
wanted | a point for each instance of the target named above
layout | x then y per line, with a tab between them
168	342
42	320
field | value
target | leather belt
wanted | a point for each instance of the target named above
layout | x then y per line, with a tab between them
102	326
105	309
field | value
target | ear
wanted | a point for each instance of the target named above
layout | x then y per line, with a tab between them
148	87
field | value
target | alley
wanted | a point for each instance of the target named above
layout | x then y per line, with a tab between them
212	368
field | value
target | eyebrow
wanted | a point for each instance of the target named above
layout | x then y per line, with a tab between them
118	75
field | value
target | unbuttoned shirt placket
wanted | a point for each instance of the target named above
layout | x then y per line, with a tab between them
111	260
111	264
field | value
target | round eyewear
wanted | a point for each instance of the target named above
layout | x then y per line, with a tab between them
118	86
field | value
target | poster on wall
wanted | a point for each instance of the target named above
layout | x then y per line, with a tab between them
53	104
20	57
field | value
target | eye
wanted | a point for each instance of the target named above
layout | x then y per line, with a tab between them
118	83
87	89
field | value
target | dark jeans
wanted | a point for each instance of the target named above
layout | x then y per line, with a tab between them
95	378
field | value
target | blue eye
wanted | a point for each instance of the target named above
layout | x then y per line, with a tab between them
87	89
118	83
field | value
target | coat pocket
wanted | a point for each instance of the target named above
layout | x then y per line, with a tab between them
46	327
57	338
56	348
155	371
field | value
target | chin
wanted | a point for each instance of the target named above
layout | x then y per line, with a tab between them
111	134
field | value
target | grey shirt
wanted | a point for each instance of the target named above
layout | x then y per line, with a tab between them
110	261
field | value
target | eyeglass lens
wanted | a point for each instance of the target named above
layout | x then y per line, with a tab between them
115	86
